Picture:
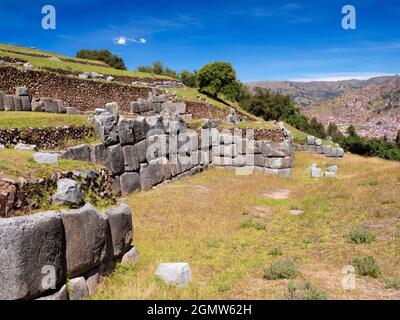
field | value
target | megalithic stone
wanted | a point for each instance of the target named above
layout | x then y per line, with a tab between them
2	94
8	103
17	103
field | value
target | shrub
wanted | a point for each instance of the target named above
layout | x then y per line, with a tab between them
281	269
307	292
188	78
275	252
103	55
251	223
393	283
360	234
367	267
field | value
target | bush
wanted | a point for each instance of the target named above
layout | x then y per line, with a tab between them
307	292
158	69
188	78
281	269
251	223
360	234
393	283
103	55
218	78
367	267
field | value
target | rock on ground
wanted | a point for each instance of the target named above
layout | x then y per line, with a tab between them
177	274
68	192
78	288
47	158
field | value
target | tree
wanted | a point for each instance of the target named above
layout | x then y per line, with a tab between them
398	139
351	131
218	78
188	78
158	68
102	55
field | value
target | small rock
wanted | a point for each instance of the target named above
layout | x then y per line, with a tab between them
62	294
333	168
23	146
315	172
310	140
2	146
318	142
177	274
329	174
47	158
110	78
132	256
78	288
28	65
68	192
296	212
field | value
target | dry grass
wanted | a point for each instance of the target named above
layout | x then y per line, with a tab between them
197	220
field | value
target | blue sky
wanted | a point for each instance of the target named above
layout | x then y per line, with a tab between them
275	40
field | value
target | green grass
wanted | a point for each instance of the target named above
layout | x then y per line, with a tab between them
251	125
20	119
17	163
191	94
367	266
69	66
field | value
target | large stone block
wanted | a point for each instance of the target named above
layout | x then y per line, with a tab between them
106	127
80	152
50	105
60	106
174	107
29	245
116	159
78	288
276	149
8	101
177	274
340	153
120	220
26	103
60	295
88	239
2	95
188	142
131	158
157	146
68	192
125	131
130	181
17	103
279	163
98	154
37	105
139	129
310	140
155	172
134	107
21	91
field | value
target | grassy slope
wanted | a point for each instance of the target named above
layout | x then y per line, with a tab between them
16	163
198	219
64	65
20	119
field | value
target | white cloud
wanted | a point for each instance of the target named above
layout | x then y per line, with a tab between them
123	41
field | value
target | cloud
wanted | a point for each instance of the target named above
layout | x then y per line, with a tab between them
290	7
123	41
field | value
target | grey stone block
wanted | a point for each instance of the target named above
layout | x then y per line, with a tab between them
117	186
60	106
2	95
142	150
93	279
131	158
177	274
329	174
98	154
120	220
27	244
155	172
50	105
340	153
60	295
72	110
68	192
279	163
21	91
131	257
134	107
310	140
45	157
106	127
37	105
24	146
116	159
17	103
88	239
125	131
8	101
174	107
139	129
78	288
80	152
315	172
26	103
130	181
157	146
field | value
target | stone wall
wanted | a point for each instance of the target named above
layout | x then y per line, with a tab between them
315	145
38	252
21	196
146	151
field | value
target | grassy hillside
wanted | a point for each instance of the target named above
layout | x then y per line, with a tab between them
229	228
66	63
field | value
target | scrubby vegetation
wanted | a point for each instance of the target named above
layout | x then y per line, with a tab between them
102	55
367	266
305	292
281	269
360	234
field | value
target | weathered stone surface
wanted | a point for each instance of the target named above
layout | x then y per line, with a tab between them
120	220
2	95
98	154
45	157
310	140
23	146
177	274
60	295
333	168
157	146
117	186
315	172
330	174
174	107
154	125
116	159
155	172
106	128
80	152
17	103
87	239
296	212
21	91
22	258
60	106
93	280
139	129
26	103
318	142
68	192
131	257
279	163
141	150
125	131
8	101
37	105
50	105
78	288
134	107
131	158
72	110
340	153
130	181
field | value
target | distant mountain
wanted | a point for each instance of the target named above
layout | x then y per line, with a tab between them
372	106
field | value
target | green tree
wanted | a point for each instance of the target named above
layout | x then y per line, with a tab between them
188	78
218	78
158	68
398	139
102	55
